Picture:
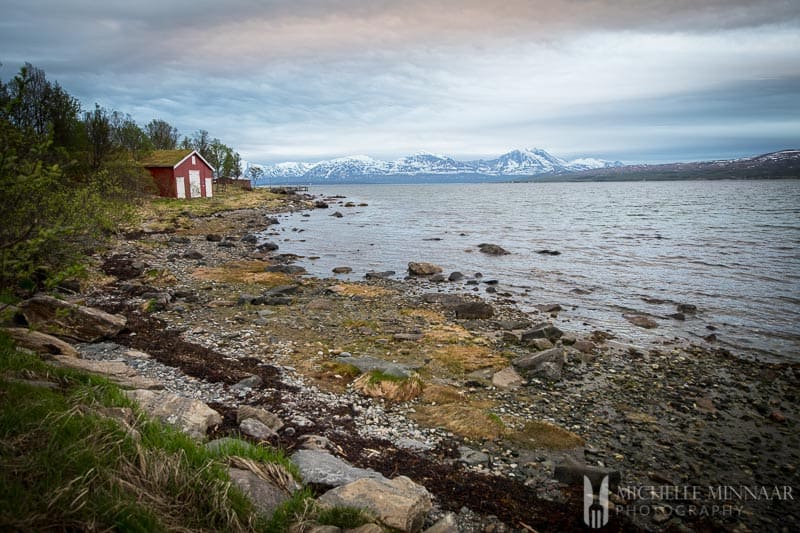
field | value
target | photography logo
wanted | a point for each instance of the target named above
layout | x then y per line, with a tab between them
595	507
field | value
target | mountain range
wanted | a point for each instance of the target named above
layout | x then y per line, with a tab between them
426	167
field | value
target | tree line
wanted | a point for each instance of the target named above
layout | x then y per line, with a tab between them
70	176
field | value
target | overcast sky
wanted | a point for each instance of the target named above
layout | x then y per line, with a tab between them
635	80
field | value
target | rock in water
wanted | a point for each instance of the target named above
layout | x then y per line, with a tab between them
492	249
641	321
398	503
423	269
455	276
71	321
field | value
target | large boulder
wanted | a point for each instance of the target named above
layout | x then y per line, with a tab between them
190	416
542	331
473	310
547	364
492	249
641	321
41	343
70	321
321	468
262	415
423	269
508	378
266	496
115	371
398	503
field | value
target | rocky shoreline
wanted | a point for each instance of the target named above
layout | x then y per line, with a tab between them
498	414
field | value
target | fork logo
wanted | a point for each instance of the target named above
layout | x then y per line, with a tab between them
595	508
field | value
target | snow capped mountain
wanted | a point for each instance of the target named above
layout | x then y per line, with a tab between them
344	167
290	169
526	162
590	163
427	166
427	163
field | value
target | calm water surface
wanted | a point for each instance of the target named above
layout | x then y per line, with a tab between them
729	247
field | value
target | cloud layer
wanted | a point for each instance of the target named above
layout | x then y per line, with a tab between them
644	80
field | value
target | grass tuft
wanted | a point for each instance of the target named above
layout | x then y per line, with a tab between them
68	462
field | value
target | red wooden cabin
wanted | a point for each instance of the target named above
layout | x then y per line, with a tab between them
180	173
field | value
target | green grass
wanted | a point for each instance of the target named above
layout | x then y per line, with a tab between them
376	376
65	464
343	517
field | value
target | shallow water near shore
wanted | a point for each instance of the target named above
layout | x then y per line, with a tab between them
728	247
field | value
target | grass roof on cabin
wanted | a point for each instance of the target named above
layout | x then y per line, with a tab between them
165	158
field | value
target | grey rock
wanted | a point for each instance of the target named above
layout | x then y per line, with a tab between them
455	276
540	344
281	290
492	249
368	364
193	254
322	468
584	346
446	524
542	331
271	420
512	324
508	378
286	269
70	321
398	503
245	299
267	247
472	457
444	299
256	429
380	275
41	343
266	496
546	364
315	442
190	416
250	382
116	371
251	238
473	310
641	321
423	269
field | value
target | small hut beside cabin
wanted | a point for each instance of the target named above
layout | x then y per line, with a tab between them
180	173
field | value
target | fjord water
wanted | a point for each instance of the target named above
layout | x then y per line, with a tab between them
731	248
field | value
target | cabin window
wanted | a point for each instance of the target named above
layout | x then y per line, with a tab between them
194	160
